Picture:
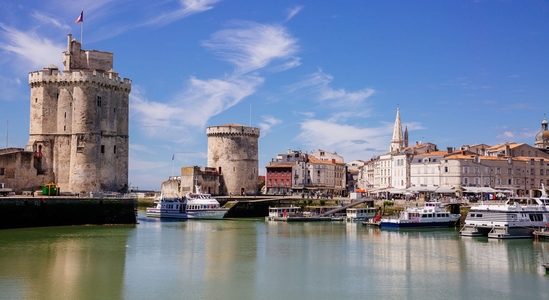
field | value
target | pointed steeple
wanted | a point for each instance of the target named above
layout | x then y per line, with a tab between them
397	142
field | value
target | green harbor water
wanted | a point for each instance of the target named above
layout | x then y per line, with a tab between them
254	259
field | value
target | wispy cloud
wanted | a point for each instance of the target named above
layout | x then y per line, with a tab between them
33	51
350	141
251	46
268	123
248	46
318	85
45	18
188	7
292	11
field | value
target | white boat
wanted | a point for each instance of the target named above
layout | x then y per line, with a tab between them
360	214
292	214
192	206
518	217
203	206
433	214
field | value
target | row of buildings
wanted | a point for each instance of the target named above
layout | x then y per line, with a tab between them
420	168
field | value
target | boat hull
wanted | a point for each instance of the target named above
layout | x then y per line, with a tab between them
217	214
168	215
201	215
387	224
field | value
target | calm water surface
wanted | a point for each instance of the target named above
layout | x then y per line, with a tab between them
252	259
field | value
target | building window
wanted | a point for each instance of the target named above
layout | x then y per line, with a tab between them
99	101
114	149
2	171
102	148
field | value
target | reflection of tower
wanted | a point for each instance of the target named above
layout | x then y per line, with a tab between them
79	121
542	137
233	151
398	142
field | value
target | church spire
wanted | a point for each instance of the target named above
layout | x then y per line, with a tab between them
397	142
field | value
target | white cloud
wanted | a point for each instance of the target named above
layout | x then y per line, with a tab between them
193	107
251	46
350	141
268	123
317	84
188	7
49	19
33	51
292	11
506	135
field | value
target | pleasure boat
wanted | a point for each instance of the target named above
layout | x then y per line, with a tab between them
433	214
360	214
167	207
193	206
203	206
518	217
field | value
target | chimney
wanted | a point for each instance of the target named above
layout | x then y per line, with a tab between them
450	150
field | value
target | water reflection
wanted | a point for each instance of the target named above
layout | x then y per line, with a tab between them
253	259
63	262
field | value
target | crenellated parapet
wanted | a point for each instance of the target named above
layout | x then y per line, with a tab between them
232	130
52	76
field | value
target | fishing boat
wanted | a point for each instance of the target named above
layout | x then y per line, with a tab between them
518	217
360	214
193	206
433	214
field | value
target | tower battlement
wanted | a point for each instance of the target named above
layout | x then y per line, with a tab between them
232	130
52	75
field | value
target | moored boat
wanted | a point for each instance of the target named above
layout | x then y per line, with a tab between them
433	214
518	217
193	206
360	214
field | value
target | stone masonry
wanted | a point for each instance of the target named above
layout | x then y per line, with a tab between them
233	151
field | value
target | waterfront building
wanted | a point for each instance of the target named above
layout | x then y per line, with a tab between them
298	172
78	127
233	151
425	169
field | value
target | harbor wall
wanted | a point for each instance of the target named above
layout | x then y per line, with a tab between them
48	211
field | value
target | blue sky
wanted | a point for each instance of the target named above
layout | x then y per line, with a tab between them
311	74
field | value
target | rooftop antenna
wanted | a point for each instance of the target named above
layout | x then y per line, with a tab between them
7	132
250	114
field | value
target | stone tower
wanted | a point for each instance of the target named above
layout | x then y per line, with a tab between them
398	142
79	121
233	151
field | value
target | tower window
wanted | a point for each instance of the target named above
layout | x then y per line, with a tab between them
99	101
114	149
102	148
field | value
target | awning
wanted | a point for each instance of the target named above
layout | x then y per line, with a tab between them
422	189
446	190
395	191
474	189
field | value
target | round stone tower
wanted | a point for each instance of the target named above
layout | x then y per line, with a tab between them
79	122
233	151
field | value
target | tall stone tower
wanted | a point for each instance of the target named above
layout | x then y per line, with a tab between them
79	121
398	142
233	151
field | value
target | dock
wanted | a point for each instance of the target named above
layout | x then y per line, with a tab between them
371	223
542	232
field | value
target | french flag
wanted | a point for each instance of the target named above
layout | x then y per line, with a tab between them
80	18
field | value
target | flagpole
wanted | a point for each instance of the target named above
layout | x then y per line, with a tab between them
82	30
